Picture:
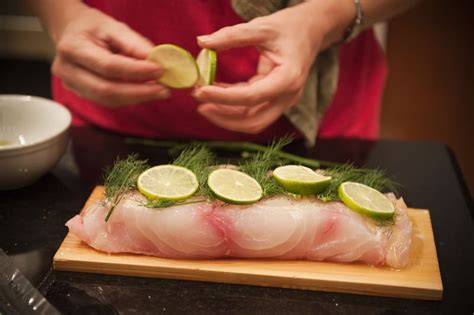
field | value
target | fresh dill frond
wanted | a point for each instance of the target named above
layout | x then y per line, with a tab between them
374	178
175	147
387	221
262	162
157	204
122	177
199	159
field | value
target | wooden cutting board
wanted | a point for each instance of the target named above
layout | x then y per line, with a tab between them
420	280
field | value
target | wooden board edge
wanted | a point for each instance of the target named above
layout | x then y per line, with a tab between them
433	244
253	279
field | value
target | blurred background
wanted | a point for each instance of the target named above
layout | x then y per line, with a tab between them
428	94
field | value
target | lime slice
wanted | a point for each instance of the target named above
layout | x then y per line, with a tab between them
168	182
300	180
366	200
234	187
207	62
180	68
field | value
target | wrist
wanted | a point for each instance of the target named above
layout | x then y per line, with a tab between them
56	15
334	18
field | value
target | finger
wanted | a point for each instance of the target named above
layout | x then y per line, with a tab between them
222	84
239	35
265	65
253	121
223	110
107	64
107	92
128	41
245	123
269	87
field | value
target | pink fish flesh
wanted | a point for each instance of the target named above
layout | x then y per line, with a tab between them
279	228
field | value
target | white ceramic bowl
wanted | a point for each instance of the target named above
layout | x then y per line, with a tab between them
33	137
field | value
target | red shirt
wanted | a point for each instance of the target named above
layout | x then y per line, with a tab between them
354	111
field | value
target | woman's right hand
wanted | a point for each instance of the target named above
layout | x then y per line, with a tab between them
103	60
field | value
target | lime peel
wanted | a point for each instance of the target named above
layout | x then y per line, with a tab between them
207	62
366	200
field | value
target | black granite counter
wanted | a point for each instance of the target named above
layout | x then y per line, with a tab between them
32	228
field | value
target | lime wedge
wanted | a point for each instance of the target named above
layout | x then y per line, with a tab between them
167	182
180	68
300	180
207	63
366	200
234	187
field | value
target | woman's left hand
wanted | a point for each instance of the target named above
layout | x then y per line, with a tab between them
288	41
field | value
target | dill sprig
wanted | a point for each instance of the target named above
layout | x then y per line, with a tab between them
174	147
156	204
262	162
199	159
374	178
120	178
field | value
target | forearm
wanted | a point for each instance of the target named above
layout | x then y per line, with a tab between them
341	14
55	15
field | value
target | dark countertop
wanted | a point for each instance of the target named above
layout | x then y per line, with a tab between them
32	228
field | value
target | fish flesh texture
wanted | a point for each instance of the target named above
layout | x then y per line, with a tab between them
279	227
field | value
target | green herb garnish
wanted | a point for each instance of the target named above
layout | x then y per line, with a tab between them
262	162
121	178
199	160
232	146
374	178
197	157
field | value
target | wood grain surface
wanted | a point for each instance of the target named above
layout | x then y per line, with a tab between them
420	280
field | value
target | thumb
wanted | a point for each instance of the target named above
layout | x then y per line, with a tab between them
239	35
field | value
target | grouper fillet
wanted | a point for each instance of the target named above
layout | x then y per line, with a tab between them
279	227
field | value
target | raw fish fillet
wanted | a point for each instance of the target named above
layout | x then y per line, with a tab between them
278	227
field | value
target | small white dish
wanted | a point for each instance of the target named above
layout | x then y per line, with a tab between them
33	137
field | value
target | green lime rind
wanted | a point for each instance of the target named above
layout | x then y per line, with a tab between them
233	201
304	189
234	187
356	202
175	75
300	180
213	66
148	180
207	64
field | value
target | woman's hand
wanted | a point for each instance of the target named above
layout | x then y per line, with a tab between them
288	41
103	60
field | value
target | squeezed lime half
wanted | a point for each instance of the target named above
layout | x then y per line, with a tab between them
207	64
300	180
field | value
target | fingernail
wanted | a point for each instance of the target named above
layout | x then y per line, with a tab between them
204	38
